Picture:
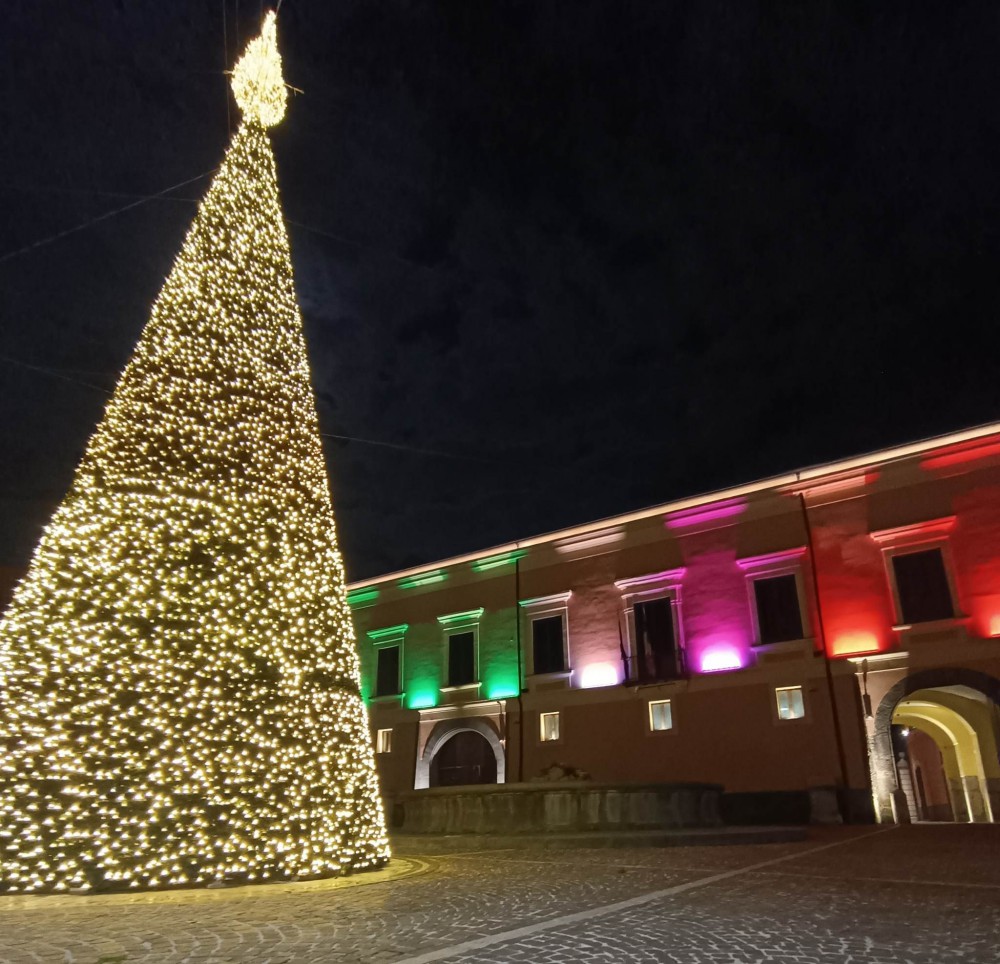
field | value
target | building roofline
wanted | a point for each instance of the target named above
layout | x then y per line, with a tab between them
870	459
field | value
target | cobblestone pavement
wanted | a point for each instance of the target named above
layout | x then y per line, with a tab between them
919	895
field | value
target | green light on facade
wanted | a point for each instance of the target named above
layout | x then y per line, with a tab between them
388	632
469	616
424	579
494	562
421	699
360	597
501	687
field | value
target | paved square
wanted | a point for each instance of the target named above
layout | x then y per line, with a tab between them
926	895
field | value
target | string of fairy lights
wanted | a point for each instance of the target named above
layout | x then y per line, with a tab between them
179	684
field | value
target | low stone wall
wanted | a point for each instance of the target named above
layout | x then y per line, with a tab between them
829	805
514	808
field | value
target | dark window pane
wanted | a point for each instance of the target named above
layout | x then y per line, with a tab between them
778	616
922	585
461	659
547	640
387	672
656	646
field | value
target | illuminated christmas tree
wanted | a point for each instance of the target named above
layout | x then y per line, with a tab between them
179	696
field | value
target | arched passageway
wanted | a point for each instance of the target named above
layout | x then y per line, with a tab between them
934	753
461	752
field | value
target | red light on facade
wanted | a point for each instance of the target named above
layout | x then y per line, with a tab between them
960	454
919	532
854	644
995	626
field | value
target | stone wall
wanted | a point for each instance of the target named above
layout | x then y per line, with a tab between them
554	807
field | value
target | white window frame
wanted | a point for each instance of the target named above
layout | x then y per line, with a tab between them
381	639
787	562
383	740
542	607
649	716
541	726
649	588
919	537
454	624
793	687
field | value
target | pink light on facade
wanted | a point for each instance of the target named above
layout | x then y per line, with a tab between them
706	513
995	626
599	674
720	658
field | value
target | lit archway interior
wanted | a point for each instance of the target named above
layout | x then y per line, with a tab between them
950	763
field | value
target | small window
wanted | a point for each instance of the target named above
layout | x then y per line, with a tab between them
922	586
383	741
387	671
547	645
661	716
790	703
461	659
549	727
777	602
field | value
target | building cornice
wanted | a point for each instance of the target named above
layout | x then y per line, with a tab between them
809	477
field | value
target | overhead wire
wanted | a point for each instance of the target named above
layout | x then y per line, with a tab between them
53	372
460	276
64	375
101	217
161	195
410	448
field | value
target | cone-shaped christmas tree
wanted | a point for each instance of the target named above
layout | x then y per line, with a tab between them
179	694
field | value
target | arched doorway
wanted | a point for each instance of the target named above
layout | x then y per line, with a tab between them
464	758
919	757
934	752
467	761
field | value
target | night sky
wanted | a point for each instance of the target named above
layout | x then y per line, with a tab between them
562	259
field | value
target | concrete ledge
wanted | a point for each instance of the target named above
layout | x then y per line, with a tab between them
563	807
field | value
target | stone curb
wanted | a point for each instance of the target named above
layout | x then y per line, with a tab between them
399	868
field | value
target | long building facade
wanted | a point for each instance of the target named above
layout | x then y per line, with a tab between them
834	630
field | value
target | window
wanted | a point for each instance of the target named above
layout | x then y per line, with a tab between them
655	643
383	741
778	616
548	727
661	717
388	645
387	671
462	658
922	586
651	607
790	703
460	644
547	647
774	585
916	560
546	619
